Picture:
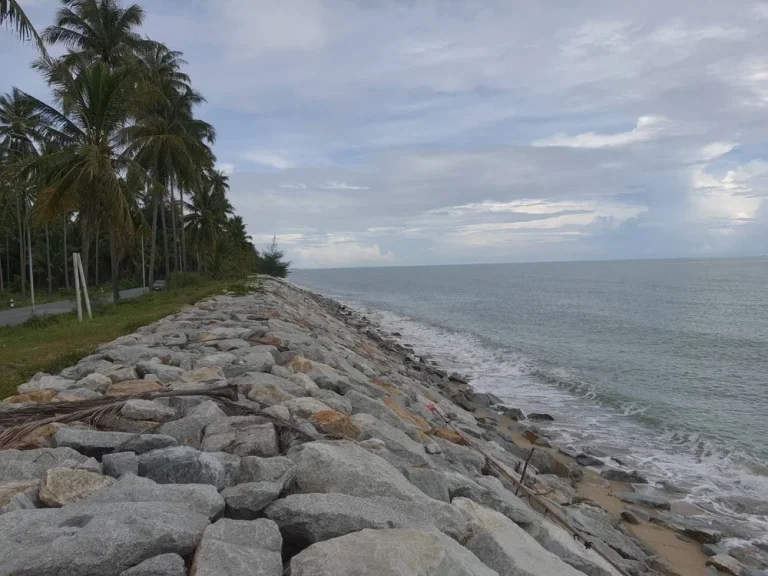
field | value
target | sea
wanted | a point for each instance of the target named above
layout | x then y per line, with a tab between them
660	363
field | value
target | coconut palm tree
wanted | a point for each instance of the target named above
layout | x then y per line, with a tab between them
207	218
11	13
166	138
87	165
98	31
20	126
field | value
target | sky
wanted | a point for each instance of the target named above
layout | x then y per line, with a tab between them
402	132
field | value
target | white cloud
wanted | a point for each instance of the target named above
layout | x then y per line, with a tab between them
342	186
716	149
336	251
647	128
732	199
269	159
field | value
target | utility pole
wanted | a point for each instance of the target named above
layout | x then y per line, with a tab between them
143	282
77	287
31	278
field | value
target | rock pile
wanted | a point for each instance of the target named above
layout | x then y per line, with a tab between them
330	462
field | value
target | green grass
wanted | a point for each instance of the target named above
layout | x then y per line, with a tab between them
51	343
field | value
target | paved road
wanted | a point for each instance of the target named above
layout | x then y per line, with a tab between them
19	315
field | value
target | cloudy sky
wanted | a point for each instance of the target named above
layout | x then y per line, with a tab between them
389	132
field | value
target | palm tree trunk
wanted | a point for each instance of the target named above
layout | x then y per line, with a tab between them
165	238
66	256
183	236
115	264
96	258
21	248
48	259
176	245
153	243
8	256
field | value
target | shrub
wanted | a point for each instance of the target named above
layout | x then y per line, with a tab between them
271	261
184	280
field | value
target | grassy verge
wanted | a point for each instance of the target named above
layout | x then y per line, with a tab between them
51	343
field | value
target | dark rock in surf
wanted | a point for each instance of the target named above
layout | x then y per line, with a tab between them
628	477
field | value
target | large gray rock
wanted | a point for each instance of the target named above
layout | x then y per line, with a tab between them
95	539
97	443
513	507
345	468
330	398
133	354
465	457
396	441
77	394
277	469
120	463
231	344
397	552
310	518
258	361
504	546
163	565
305	382
119	373
647	500
62	486
154	410
252	380
239	548
86	366
95	381
604	527
376	408
185	465
242	436
326	377
165	373
562	544
46	382
431	482
246	501
222	359
18	465
189	429
305	407
269	395
492	496
201	498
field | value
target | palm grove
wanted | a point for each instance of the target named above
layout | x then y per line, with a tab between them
113	164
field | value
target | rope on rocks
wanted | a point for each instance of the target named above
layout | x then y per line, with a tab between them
548	507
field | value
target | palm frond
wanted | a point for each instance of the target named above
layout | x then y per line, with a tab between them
11	13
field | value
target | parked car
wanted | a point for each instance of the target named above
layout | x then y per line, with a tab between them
159	285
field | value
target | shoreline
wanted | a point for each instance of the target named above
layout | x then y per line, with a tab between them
664	535
334	437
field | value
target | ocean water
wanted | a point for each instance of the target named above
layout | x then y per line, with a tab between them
662	363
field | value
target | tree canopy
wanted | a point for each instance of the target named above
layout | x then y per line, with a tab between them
114	162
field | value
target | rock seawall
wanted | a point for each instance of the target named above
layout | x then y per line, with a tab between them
331	460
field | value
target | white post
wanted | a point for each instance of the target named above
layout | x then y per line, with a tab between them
77	287
143	283
85	286
31	278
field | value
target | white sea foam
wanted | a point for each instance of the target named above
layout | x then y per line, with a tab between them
585	416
